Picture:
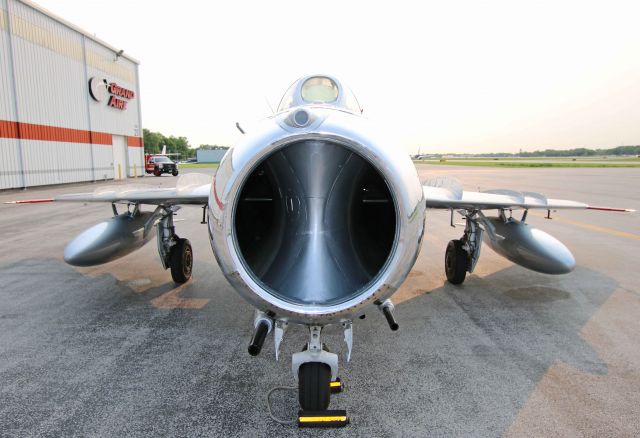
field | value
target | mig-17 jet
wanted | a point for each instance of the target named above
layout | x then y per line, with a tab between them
314	218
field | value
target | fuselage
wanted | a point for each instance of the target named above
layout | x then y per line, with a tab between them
314	215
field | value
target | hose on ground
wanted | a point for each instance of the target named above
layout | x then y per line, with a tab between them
273	417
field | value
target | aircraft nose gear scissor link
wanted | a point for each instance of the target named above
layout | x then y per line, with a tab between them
175	253
463	254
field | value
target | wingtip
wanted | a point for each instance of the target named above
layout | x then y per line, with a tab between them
30	201
624	210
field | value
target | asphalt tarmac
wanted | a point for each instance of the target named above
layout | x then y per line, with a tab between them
118	350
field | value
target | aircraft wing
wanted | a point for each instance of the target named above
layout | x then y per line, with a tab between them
192	188
447	193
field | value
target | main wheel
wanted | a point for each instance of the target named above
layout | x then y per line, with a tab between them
174	173
181	261
455	262
157	172
314	391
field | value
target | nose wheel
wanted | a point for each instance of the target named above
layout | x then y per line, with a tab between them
315	367
314	390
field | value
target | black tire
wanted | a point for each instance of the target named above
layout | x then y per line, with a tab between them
181	261
174	173
157	172
314	392
455	262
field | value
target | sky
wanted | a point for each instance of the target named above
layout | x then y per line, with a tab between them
439	76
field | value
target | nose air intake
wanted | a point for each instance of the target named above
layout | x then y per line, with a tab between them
315	223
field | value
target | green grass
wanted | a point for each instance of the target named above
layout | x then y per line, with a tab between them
498	163
612	158
197	165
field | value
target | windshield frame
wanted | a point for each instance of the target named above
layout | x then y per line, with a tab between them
345	100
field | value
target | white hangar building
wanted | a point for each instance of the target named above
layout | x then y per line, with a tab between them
69	103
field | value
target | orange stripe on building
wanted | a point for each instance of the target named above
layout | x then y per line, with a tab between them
101	138
8	129
135	142
30	131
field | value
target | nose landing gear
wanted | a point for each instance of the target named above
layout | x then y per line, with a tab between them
316	369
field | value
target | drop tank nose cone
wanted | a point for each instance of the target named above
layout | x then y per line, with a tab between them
529	247
109	240
88	248
548	254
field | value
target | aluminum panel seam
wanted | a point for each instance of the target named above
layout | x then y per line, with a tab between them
12	72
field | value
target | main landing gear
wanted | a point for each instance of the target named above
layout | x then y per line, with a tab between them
175	253
462	254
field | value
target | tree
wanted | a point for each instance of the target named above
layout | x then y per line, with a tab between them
153	142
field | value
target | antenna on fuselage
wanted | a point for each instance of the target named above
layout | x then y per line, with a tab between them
269	105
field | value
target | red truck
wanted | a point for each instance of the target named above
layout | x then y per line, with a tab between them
159	164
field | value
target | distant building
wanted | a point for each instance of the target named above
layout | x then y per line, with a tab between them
210	155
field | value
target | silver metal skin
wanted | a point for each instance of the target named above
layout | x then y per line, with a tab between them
313	275
527	246
111	239
278	334
348	337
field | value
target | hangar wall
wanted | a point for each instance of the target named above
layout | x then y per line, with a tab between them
52	128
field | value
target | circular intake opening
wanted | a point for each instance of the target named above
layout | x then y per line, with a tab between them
315	223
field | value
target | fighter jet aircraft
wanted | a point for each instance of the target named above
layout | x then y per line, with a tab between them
314	217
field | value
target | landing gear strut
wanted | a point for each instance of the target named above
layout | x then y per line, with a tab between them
463	254
175	253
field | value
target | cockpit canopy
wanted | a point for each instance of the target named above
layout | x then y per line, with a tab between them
319	90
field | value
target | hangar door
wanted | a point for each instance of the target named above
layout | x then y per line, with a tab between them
119	157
